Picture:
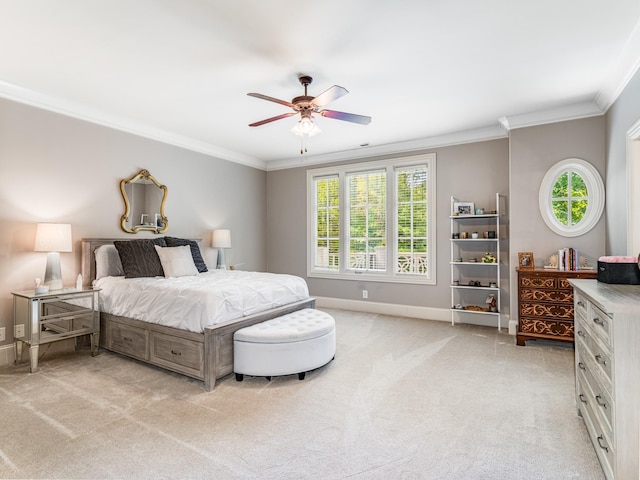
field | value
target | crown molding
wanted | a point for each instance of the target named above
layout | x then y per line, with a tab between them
82	112
553	115
455	138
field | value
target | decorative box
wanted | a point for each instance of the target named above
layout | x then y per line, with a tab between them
622	270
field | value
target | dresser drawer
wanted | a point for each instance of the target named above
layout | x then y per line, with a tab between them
600	324
561	311
580	307
179	354
548	296
131	341
597	395
601	443
599	358
545	326
537	281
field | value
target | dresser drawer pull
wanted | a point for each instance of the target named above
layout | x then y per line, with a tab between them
597	321
600	401
600	359
127	339
581	333
580	303
581	366
603	444
582	399
173	352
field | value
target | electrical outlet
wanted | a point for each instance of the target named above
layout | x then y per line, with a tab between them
3	334
19	331
365	294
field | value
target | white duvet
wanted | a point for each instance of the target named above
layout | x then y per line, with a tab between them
195	302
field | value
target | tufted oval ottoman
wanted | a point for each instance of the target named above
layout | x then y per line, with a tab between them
293	343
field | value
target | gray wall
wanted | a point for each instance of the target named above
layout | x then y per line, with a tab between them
58	169
533	151
471	172
624	113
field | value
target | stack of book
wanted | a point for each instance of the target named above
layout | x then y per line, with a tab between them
568	259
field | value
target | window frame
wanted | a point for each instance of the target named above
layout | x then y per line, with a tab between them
595	196
390	165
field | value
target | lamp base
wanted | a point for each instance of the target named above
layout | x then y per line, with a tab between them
221	261
53	274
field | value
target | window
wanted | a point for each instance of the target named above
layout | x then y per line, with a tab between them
571	197
370	221
327	223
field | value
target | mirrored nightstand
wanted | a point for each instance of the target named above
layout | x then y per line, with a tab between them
57	315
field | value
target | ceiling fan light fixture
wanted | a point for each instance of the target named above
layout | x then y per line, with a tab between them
306	127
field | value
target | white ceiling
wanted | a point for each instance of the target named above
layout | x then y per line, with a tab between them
427	71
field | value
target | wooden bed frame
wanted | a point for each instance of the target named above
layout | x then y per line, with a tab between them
205	356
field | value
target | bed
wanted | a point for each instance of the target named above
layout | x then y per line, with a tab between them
201	351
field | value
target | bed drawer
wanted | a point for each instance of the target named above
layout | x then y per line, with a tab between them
179	354
131	341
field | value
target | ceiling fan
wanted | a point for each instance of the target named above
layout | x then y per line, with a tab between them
306	106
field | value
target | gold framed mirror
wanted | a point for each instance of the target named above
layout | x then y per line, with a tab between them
144	199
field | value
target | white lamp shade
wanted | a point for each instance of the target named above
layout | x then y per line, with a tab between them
53	237
221	239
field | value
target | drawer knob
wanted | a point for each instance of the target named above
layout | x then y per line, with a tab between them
597	321
581	303
582	399
127	339
600	401
173	352
603	444
581	333
581	366
600	359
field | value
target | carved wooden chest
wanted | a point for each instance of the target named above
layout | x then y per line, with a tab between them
545	304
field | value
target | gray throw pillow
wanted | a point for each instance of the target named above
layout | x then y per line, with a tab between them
139	257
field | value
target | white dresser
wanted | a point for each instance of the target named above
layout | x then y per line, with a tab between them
607	336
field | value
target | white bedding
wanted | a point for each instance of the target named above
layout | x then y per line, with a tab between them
195	302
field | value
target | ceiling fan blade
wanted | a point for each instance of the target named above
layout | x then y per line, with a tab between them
272	119
271	99
347	117
329	95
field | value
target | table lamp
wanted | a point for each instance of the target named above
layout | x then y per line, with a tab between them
221	239
53	238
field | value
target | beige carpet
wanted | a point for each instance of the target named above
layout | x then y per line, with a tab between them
404	399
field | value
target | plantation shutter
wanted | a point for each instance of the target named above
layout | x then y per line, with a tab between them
367	192
411	220
327	244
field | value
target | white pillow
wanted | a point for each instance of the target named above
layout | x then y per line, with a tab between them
108	263
177	261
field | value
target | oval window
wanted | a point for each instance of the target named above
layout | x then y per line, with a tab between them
571	197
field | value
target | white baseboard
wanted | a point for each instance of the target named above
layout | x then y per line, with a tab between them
426	313
7	355
513	327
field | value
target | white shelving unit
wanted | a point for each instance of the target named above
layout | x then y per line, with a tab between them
473	280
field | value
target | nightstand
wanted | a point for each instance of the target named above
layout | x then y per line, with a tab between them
57	315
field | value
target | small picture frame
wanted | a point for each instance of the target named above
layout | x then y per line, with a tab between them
463	208
525	260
